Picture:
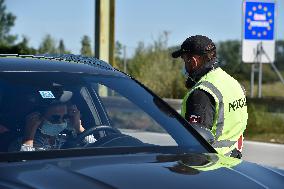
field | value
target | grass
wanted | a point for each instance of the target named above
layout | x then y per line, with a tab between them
263	125
275	89
267	137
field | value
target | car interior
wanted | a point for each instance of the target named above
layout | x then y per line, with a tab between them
99	106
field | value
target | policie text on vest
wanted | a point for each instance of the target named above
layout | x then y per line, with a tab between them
237	104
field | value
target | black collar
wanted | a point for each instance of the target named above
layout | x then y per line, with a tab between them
196	76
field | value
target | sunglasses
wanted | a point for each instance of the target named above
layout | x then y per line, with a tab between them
58	118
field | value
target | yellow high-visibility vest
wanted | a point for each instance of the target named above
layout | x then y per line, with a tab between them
231	116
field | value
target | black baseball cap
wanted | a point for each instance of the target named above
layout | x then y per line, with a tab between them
197	44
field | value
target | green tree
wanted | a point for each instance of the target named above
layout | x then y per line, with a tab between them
47	45
229	56
118	49
23	47
20	48
86	49
61	48
154	67
118	55
279	54
7	20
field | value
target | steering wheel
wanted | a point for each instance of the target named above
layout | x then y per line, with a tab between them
98	131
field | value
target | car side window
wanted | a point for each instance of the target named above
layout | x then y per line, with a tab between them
90	108
129	118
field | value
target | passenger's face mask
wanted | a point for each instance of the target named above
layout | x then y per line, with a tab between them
50	129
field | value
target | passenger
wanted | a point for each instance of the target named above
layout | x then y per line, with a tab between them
42	130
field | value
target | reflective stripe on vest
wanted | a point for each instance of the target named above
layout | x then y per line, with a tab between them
220	119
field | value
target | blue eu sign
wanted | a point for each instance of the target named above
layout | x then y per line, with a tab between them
259	21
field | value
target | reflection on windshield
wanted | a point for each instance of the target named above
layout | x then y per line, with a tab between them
191	164
46	111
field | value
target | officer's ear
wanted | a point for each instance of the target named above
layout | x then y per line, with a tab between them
197	61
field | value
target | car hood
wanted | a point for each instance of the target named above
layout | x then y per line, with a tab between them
140	171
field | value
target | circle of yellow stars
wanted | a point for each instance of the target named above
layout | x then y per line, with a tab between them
269	14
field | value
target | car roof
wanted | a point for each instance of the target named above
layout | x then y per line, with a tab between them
58	63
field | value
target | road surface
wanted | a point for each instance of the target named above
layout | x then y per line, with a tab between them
264	153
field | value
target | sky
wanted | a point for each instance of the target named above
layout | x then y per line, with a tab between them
135	21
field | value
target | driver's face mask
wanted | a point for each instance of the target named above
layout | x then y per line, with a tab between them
51	129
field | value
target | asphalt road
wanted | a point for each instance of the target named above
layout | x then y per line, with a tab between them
256	152
264	153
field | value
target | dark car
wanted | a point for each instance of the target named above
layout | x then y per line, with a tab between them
124	137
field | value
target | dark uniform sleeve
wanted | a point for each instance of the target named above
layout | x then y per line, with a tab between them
200	109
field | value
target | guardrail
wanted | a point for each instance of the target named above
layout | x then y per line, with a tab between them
272	105
275	105
174	103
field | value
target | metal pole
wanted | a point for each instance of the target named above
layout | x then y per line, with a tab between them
260	79
124	60
274	67
252	80
277	72
97	28
260	70
112	33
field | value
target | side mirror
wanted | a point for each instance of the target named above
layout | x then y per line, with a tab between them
207	135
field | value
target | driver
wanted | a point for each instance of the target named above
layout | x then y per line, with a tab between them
42	130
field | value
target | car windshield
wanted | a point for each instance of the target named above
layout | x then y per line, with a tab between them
43	111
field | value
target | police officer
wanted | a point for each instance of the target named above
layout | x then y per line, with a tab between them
215	101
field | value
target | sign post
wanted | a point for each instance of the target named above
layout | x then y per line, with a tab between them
258	37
